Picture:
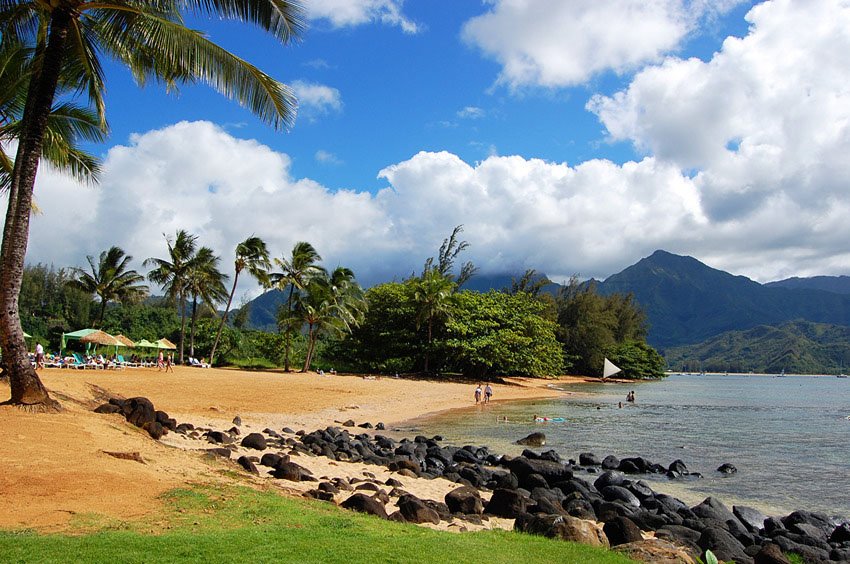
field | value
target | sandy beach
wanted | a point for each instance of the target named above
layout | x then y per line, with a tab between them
57	471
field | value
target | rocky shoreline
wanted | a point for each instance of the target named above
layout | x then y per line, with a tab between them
597	501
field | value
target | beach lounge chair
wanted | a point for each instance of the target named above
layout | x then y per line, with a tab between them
124	363
81	362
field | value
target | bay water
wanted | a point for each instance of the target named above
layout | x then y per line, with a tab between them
789	437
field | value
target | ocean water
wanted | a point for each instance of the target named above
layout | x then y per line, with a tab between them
788	436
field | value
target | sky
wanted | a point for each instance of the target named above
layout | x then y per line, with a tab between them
567	136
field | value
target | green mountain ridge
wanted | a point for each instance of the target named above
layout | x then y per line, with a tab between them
797	347
687	302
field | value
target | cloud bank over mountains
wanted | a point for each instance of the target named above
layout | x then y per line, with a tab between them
745	164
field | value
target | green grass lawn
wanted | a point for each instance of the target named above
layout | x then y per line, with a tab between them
242	525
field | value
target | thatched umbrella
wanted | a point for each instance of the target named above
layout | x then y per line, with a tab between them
165	344
125	341
101	338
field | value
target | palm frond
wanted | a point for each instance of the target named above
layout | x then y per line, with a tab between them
166	50
284	19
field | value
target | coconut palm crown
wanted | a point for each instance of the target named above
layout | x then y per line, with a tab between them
110	280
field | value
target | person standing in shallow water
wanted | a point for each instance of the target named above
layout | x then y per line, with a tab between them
488	393
478	393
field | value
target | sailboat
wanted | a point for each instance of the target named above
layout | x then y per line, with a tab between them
609	369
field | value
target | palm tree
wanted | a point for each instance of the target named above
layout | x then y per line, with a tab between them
172	274
296	272
110	280
253	256
331	304
433	294
204	281
149	38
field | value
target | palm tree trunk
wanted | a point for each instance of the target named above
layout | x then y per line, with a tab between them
192	327
288	341
223	318
182	301
26	388
102	312
310	344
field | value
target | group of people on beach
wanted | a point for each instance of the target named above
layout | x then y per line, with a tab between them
487	391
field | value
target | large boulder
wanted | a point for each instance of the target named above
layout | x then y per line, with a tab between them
289	471
139	411
551	472
255	441
536	439
752	519
219	437
506	503
609	478
723	545
610	462
464	500
247	464
621	530
589	459
362	503
414	510
619	494
713	508
155	429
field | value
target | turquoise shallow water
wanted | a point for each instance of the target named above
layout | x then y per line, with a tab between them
788	437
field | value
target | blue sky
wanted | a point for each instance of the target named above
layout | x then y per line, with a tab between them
566	136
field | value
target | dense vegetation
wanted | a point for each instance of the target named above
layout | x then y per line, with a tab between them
799	347
427	323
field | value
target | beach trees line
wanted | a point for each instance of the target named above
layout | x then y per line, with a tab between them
426	323
319	303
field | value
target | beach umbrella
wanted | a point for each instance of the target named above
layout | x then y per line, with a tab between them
99	337
145	344
125	342
27	335
165	344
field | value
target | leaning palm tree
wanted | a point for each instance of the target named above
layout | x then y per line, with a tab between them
296	272
205	281
110	280
253	256
149	38
172	273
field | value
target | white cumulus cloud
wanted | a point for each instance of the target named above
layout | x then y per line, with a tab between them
765	123
346	13
555	43
316	99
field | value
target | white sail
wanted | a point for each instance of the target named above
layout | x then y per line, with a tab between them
610	369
